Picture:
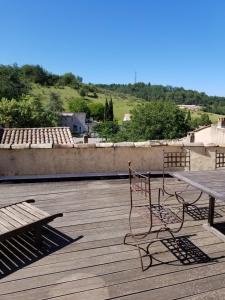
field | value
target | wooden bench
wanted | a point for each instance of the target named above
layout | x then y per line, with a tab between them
21	217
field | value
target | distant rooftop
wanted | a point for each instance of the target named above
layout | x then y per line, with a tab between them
189	106
45	135
71	114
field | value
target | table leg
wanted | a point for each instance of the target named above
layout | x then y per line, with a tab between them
211	210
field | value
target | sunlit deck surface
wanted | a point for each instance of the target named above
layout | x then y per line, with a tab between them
91	262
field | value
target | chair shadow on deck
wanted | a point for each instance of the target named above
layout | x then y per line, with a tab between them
21	251
200	213
184	251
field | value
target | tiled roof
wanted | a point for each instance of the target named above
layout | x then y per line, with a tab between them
46	135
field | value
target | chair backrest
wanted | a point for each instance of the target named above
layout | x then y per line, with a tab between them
219	160
139	183
174	160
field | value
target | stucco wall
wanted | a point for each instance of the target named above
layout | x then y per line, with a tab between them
211	134
96	158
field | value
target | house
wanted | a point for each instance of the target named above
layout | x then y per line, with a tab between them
126	117
77	122
191	107
211	134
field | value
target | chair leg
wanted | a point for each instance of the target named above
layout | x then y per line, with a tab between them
146	254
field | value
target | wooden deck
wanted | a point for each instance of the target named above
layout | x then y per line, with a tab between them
85	258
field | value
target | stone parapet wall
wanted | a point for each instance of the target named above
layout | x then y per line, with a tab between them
103	157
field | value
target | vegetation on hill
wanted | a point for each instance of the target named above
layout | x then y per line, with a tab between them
179	95
153	120
32	97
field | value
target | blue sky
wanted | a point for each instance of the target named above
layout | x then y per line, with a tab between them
169	42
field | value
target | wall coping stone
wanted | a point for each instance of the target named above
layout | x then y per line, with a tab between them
5	146
210	145
20	146
110	145
104	145
194	145
62	146
142	144
41	146
175	142
154	144
124	144
84	146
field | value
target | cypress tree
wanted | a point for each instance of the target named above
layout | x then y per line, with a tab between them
110	115
106	110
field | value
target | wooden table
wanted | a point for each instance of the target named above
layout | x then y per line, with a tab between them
209	182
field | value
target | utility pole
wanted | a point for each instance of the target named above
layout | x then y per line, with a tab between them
135	77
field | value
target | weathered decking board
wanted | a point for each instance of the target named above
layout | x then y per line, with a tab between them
98	266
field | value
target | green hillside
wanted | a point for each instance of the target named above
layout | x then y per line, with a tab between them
121	103
32	96
213	117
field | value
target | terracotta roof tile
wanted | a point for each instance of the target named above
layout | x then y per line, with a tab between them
46	135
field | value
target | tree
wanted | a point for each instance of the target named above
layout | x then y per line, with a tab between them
69	79
83	92
55	103
106	110
78	105
96	111
158	120
11	83
35	74
28	112
110	110
188	116
188	119
204	120
107	129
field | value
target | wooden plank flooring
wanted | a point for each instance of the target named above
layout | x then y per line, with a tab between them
83	256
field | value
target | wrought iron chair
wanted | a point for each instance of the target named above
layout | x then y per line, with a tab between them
144	202
180	160
219	160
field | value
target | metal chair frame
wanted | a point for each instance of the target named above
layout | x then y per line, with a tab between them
219	160
177	160
140	184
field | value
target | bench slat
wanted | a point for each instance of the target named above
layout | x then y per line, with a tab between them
11	216
6	224
25	213
20	215
30	210
11	213
10	220
3	229
37	210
